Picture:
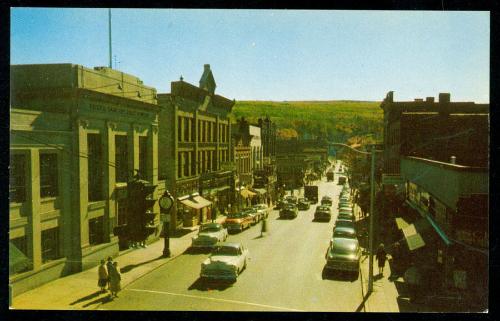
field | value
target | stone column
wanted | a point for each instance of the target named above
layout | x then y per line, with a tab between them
109	179
35	236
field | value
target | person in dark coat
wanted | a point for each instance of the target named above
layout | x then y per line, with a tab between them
102	274
381	257
396	260
115	279
110	268
263	227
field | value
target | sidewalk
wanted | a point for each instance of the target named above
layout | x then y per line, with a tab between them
79	291
384	297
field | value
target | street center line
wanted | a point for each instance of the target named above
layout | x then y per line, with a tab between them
215	299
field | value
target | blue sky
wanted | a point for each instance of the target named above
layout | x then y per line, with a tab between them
272	54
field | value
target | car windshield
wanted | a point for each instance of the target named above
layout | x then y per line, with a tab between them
344	233
235	215
343	246
225	250
209	229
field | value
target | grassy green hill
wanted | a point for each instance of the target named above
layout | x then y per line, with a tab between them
337	120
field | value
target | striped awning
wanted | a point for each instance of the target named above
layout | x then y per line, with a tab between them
247	193
196	202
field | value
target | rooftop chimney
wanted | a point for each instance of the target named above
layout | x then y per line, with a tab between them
444	98
429	99
453	159
419	99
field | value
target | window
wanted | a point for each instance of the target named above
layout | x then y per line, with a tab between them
17	176
122	211
50	244
193	129
199	131
95	173
214	132
186	163
204	131
121	158
193	163
20	252
214	160
203	161
209	160
143	157
179	165
186	129
48	175
179	128
226	132
96	231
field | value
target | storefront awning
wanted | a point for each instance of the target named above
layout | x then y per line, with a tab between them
417	233
401	223
261	191
247	193
196	202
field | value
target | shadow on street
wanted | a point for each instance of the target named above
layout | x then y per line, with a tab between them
339	275
195	251
88	297
361	306
209	285
130	267
103	300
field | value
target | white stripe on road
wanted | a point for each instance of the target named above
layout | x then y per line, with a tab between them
215	299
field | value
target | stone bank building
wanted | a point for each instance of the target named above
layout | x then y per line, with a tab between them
77	136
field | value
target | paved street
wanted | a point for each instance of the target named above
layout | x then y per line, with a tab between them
284	274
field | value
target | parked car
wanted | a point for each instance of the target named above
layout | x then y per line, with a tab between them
345	208
303	204
291	199
343	254
344	223
326	200
343	231
238	221
255	214
346	216
342	180
289	211
226	262
323	213
263	209
344	204
209	235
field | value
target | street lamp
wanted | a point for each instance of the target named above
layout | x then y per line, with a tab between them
166	202
372	205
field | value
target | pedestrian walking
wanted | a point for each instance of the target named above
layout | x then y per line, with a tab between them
109	267
396	261
115	278
381	257
263	227
102	276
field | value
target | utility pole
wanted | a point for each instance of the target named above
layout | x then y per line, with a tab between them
109	29
372	214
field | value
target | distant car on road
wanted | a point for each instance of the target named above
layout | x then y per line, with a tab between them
289	211
291	199
209	235
238	221
280	203
303	204
226	262
323	213
343	254
329	176
254	214
326	200
342	180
